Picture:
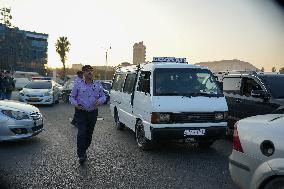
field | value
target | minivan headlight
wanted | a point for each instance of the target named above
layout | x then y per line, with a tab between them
160	117
15	114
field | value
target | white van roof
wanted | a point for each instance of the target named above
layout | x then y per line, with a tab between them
159	64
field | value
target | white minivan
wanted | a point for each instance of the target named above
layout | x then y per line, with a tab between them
169	99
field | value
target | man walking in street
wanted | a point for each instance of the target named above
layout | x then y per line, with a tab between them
78	80
9	85
1	85
86	96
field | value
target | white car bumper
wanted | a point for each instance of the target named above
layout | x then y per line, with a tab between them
37	100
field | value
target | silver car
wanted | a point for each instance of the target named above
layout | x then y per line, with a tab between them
19	120
257	159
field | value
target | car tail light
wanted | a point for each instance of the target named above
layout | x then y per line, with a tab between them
236	140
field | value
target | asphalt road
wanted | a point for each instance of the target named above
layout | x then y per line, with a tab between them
114	161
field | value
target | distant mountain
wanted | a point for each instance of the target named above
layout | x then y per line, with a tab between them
228	65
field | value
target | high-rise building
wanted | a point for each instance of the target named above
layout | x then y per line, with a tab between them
22	50
139	53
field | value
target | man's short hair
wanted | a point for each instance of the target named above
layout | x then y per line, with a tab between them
87	67
79	72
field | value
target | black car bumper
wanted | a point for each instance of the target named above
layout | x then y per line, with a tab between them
211	133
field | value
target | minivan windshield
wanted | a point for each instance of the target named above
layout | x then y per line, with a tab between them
39	85
275	84
185	82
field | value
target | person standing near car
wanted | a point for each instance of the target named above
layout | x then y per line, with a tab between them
86	96
9	85
78	80
1	85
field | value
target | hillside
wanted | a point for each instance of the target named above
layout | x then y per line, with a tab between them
228	65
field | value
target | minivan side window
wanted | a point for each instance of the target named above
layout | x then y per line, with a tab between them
144	82
129	83
249	84
232	85
118	82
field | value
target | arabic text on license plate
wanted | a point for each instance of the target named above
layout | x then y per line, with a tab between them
33	98
195	132
38	122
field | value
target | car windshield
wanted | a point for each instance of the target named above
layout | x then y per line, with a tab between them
39	85
275	84
185	82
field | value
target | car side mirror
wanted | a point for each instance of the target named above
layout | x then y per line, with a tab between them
259	94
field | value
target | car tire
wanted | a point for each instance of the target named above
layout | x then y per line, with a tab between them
276	183
142	142
118	124
205	144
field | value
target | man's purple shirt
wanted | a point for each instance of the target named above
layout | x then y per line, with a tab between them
78	80
86	95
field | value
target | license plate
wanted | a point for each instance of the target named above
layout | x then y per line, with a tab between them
38	122
33	99
194	132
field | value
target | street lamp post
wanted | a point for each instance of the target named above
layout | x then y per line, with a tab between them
106	60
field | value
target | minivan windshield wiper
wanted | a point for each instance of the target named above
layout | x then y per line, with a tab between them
201	94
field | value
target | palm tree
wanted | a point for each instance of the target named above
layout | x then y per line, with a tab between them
62	47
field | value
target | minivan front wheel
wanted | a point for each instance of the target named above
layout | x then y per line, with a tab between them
142	142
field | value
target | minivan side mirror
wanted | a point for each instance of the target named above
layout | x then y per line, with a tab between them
259	94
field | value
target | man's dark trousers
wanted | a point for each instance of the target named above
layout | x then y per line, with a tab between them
86	124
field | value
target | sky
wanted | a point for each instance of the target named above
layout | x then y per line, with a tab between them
200	30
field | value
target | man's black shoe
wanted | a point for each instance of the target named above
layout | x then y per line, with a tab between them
82	159
73	122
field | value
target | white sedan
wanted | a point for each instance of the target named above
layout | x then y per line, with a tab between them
257	159
19	120
40	92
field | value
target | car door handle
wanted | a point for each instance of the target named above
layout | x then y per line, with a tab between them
117	101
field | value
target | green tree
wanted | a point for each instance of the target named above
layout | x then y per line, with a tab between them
273	69
6	16
62	47
262	69
281	70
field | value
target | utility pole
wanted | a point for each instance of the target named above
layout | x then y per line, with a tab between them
106	60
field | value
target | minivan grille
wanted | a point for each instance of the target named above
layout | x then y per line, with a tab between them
193	117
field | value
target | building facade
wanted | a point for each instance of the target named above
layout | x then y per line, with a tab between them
22	50
139	53
77	66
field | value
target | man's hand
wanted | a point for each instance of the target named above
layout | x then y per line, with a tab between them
79	107
98	103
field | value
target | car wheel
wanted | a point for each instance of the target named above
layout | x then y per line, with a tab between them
276	183
205	144
118	124
142	142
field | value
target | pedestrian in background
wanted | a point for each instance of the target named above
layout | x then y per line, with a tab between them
86	96
2	85
78	80
9	85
